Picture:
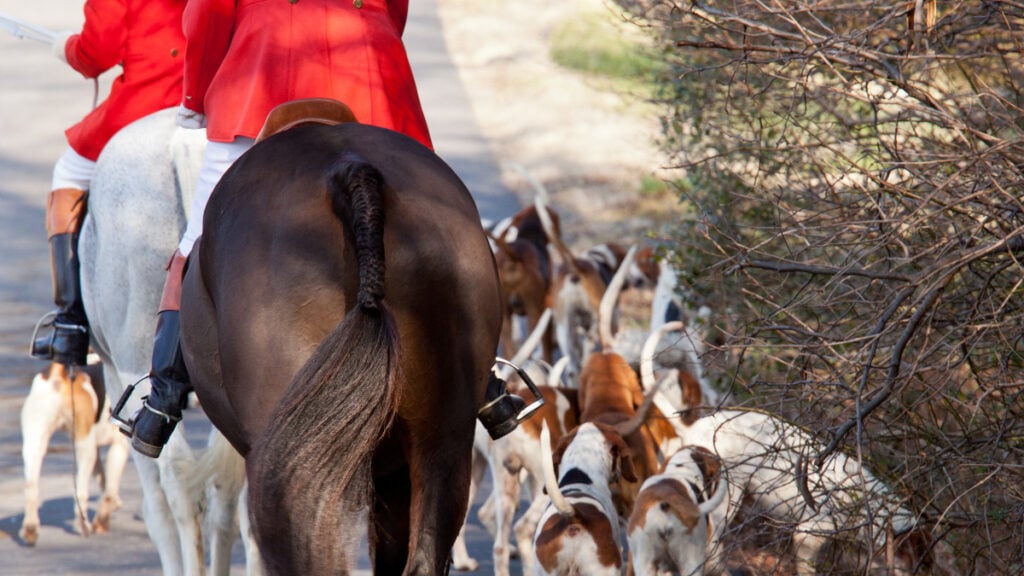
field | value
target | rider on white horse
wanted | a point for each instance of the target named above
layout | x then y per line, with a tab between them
148	50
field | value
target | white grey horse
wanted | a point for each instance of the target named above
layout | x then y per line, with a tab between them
143	181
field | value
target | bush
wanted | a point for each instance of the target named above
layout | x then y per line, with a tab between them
858	168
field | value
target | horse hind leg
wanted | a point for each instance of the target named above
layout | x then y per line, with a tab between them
225	485
388	525
438	503
253	560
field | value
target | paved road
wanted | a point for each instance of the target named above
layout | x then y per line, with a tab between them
39	98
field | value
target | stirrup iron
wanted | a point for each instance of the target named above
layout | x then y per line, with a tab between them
503	414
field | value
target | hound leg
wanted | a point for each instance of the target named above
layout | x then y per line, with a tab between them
808	539
487	513
86	453
506	488
526	526
461	560
39	417
117	457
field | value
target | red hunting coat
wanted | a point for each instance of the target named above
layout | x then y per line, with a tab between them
145	38
244	57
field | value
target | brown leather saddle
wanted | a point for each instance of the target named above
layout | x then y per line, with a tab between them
316	110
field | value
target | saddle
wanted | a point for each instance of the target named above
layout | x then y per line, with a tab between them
317	110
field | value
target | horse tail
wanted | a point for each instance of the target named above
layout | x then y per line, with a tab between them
310	470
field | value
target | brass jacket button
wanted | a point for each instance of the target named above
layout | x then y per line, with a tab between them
357	3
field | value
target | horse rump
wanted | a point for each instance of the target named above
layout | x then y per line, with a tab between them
338	406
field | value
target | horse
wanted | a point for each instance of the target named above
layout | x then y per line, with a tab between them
340	315
143	180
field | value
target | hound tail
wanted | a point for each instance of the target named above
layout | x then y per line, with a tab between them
339	405
550	480
647	380
610	298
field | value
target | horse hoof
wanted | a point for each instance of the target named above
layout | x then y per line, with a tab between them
101	526
29	535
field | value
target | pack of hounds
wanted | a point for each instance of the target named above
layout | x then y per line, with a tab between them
632	466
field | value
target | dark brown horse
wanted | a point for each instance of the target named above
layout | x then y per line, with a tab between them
339	319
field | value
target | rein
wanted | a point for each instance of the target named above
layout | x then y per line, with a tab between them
72	372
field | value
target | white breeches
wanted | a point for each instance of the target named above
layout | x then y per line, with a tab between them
217	158
72	170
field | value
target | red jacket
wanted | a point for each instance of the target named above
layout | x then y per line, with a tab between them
145	38
244	57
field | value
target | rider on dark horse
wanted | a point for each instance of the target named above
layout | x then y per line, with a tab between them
235	61
145	38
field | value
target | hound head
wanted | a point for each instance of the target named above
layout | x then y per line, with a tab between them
598	447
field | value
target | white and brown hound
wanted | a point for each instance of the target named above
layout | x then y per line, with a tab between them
764	457
579	531
669	528
75	403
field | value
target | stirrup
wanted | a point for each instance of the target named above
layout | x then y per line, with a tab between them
503	414
125	425
50	320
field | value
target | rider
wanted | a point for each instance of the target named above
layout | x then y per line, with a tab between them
242	59
145	38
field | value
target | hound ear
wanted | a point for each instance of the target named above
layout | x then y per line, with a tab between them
623	456
913	548
710	466
563	443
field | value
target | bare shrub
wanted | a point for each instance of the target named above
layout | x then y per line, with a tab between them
857	169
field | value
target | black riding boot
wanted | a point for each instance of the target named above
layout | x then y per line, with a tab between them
68	342
169	388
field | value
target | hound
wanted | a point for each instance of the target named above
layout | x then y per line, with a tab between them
764	455
610	394
577	287
602	462
77	404
524	269
578	533
693	389
669	528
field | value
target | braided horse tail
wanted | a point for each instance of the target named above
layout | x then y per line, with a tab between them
314	458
